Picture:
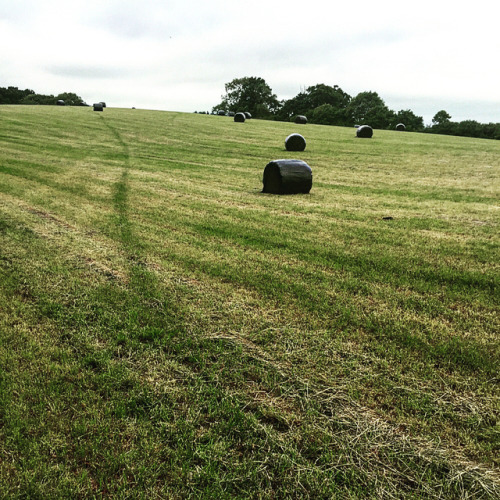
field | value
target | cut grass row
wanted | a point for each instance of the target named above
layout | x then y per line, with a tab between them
168	330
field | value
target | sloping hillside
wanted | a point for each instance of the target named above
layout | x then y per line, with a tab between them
167	330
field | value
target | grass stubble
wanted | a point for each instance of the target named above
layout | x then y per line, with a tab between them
169	331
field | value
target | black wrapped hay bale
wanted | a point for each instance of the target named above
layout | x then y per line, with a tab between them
239	117
287	177
103	104
301	119
98	106
248	115
295	142
401	127
221	112
60	102
365	131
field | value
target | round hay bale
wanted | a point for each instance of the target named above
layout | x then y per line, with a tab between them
401	127
231	113
60	102
301	119
98	106
365	131
287	177
295	142
103	104
221	112
248	115
239	117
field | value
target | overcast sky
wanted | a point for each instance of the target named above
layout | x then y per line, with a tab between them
177	55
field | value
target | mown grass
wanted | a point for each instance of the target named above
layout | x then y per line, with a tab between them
169	331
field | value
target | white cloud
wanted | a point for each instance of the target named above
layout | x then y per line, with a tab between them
173	54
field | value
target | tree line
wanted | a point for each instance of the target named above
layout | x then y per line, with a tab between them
13	95
322	104
327	105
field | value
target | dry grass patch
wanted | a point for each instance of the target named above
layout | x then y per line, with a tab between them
191	336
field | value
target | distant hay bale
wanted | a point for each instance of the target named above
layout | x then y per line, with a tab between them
248	115
400	126
60	102
239	117
287	177
98	106
301	119
221	112
295	142
103	104
364	131
231	113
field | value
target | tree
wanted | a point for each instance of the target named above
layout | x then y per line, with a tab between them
70	99
492	130
314	97
411	121
320	94
442	124
292	107
441	117
470	128
250	94
13	95
323	115
368	108
39	99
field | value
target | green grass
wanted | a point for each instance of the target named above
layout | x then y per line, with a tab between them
169	331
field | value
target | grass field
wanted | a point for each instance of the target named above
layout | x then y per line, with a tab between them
169	331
